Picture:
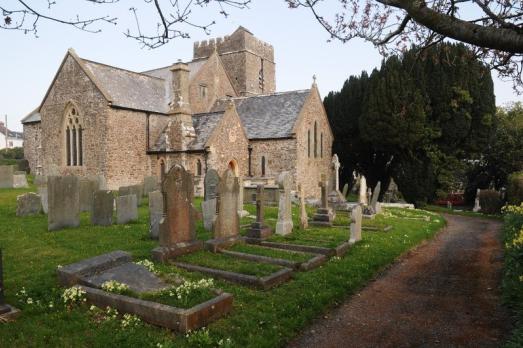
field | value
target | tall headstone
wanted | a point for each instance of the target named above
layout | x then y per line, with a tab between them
28	204
335	175
211	181
369	195
345	190
324	215
103	205
6	176
150	184
304	218
355	224
136	190
155	213
177	231
284	224
87	189
63	201
477	206
227	225
209	213
126	209
258	229
375	196
362	198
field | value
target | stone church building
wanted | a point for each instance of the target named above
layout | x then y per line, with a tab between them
219	110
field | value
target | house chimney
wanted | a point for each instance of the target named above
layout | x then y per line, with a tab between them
180	102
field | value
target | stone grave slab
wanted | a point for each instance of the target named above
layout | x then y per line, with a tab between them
28	204
209	213
20	181
6	176
210	182
87	189
136	190
155	213
355	225
63	201
103	206
150	184
44	198
284	225
126	209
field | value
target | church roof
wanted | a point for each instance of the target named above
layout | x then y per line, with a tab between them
34	116
203	125
272	115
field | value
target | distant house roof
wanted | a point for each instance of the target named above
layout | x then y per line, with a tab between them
270	116
33	117
10	134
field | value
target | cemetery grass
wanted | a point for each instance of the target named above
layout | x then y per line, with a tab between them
274	253
259	318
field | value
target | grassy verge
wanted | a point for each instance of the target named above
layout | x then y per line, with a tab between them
462	212
259	319
513	273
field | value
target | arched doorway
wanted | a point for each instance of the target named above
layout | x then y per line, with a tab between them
233	165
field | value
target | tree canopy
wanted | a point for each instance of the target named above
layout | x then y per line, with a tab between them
417	120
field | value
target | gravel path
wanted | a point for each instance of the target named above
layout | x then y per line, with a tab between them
446	293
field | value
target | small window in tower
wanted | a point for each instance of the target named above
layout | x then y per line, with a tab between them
203	91
261	76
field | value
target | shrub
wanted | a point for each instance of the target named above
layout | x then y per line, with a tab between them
14	153
515	188
490	201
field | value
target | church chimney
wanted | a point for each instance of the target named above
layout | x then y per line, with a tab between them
181	130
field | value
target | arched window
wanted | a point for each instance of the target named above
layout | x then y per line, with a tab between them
321	145
315	139
198	167
263	166
309	143
74	155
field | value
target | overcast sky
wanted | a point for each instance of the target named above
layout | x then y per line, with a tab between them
28	64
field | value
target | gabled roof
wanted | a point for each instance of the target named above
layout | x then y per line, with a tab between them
270	116
33	117
10	134
203	125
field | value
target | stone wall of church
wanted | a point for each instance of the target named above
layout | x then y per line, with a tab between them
310	167
32	140
280	155
72	85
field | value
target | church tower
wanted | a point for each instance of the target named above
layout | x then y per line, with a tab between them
249	62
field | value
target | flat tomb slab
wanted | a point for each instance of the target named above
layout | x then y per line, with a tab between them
339	250
308	265
11	315
158	314
263	283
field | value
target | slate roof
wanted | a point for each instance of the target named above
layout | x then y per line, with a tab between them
272	115
34	116
130	89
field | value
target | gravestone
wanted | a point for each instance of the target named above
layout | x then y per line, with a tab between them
375	196
304	219
40	180
324	215
132	190
103	205
44	198
477	206
355	225
345	190
155	213
284	224
227	225
209	214
362	198
20	180
126	209
177	232
7	312
6	176
63	201
241	211
211	181
28	204
335	173
258	228
87	189
150	184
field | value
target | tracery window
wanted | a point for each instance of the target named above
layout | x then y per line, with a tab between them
73	138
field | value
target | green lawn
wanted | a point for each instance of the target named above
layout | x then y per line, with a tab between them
259	319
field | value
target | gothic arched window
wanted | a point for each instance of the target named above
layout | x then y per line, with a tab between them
74	155
309	143
263	166
321	145
315	139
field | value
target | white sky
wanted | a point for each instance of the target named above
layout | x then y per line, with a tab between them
28	64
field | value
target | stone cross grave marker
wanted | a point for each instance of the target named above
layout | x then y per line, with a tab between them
28	204
304	219
103	205
211	181
6	176
126	209
362	198
335	176
155	213
63	201
284	224
355	225
324	215
177	231
258	228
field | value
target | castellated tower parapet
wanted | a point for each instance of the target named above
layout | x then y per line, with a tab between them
249	61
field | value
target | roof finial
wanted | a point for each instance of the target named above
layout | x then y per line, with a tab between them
314	79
